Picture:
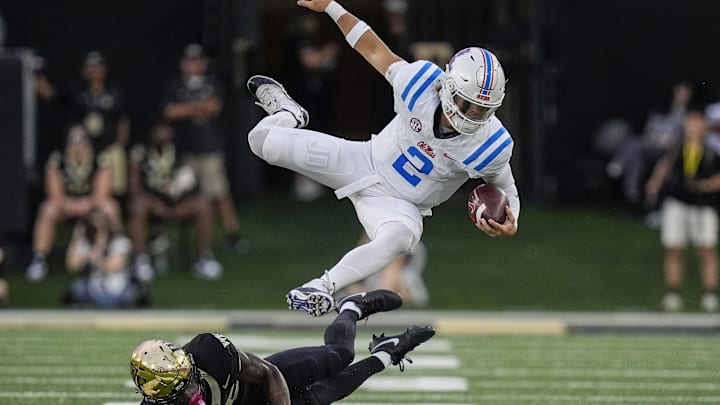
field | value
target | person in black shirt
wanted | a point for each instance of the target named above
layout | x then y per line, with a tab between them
193	104
163	188
99	106
689	177
211	370
76	181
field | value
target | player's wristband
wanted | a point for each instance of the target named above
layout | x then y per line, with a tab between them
356	32
335	10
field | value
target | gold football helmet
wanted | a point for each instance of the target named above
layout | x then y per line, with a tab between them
163	372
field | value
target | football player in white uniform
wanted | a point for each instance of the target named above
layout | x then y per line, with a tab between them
445	132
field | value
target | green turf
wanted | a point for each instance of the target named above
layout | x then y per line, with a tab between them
48	367
562	259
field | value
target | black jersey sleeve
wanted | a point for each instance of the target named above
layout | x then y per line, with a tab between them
215	354
218	360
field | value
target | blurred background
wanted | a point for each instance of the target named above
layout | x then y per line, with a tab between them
584	78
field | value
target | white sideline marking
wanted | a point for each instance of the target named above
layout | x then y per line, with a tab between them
268	343
673	374
434	362
622	399
62	394
416	384
341	402
604	385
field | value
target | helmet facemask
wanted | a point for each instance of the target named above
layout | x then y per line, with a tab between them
473	89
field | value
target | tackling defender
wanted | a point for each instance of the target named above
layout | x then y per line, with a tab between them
445	132
210	370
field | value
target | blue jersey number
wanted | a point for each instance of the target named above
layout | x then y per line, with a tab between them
401	165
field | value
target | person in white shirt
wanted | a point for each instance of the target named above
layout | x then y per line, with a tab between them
445	132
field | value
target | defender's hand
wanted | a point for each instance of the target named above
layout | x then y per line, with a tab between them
314	5
497	230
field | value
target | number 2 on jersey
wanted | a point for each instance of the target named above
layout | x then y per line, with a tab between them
403	163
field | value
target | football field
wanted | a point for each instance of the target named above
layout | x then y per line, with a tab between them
88	365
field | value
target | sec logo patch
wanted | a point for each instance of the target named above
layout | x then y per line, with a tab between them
415	124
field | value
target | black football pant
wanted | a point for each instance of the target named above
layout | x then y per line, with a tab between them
320	375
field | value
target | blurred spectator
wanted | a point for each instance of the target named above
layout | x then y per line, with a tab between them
76	181
192	104
100	257
99	105
690	174
164	189
4	287
663	130
394	30
403	275
311	77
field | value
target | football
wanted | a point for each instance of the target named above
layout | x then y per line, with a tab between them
489	202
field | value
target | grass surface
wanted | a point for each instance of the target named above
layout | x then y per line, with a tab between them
48	367
588	259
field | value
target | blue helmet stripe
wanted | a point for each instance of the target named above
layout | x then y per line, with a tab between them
424	86
488	71
494	137
494	153
414	80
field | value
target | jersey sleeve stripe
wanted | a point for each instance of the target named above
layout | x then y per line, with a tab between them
494	137
507	142
424	86
414	80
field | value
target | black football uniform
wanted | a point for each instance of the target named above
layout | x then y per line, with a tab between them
159	166
219	364
77	178
315	375
100	113
195	135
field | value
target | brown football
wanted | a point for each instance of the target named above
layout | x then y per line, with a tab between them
487	201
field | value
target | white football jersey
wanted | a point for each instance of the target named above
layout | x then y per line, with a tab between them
415	165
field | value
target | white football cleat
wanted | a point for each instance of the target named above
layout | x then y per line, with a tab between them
272	97
310	300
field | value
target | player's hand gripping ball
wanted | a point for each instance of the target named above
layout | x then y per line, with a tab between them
489	202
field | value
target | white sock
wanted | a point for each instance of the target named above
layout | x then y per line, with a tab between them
280	119
318	284
350	306
383	357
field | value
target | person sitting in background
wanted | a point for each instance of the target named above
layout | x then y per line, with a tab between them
690	174
100	257
192	105
99	105
76	181
162	188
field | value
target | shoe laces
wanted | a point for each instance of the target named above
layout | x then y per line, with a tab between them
401	362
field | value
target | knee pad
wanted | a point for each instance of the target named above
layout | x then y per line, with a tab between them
397	237
256	139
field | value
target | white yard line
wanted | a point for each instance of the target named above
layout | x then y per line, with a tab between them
416	384
515	372
602	385
617	399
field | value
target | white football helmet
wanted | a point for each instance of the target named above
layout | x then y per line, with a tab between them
473	89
